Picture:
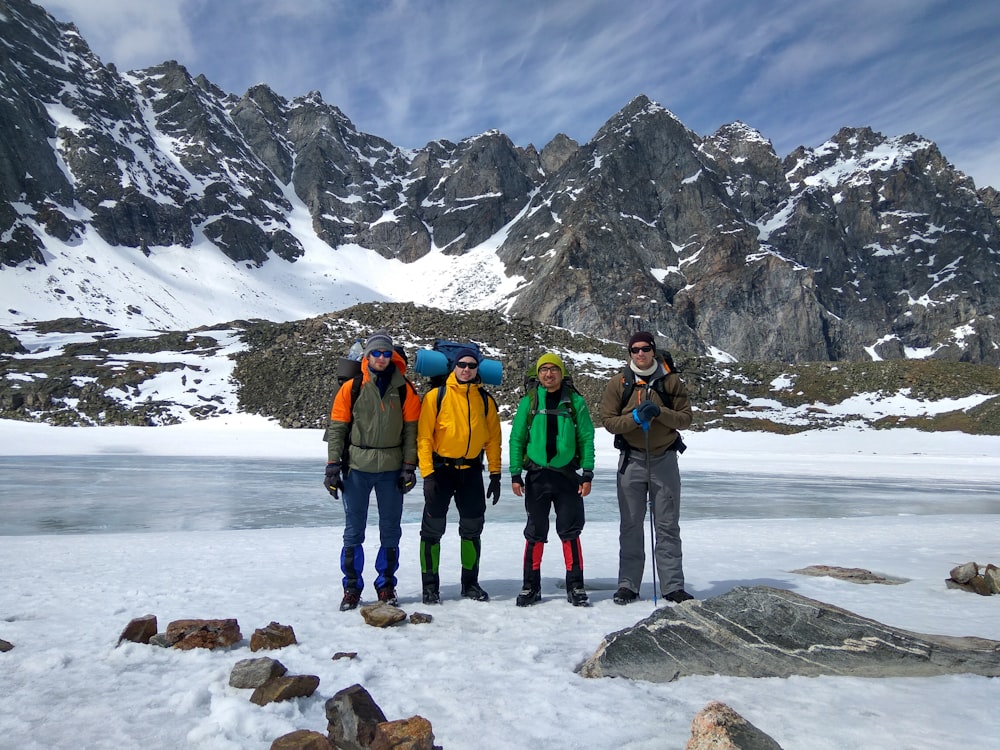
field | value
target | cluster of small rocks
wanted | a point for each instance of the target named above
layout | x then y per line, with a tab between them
979	579
355	721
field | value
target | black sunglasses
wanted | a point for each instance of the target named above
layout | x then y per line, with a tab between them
644	349
469	365
376	353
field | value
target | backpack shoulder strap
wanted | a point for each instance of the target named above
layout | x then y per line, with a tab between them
628	385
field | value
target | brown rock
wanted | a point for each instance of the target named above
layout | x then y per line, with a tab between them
285	688
271	637
718	727
382	615
139	630
302	739
344	655
211	634
992	576
405	734
252	673
5	645
421	618
352	716
853	575
964	573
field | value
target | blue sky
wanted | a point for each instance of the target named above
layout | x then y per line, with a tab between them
412	71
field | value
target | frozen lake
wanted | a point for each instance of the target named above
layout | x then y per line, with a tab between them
129	493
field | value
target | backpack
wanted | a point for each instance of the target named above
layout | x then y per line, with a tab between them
628	388
531	390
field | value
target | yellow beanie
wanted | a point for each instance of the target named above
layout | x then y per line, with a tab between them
550	359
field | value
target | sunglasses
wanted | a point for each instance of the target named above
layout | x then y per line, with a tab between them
376	353
467	365
643	349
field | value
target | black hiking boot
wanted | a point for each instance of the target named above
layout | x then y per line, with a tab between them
678	596
475	592
387	594
577	596
625	596
528	596
351	599
432	595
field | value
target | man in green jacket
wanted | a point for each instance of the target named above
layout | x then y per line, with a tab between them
552	436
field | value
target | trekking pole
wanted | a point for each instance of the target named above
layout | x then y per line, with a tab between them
649	502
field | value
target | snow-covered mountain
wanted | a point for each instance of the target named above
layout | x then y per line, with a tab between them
152	199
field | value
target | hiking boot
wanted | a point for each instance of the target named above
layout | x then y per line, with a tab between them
387	594
577	596
351	599
432	595
474	592
678	596
528	596
625	596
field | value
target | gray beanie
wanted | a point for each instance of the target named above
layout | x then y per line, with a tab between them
379	340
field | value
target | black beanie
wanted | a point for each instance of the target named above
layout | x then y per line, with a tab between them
641	337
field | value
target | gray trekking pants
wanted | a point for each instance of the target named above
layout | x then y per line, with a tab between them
665	488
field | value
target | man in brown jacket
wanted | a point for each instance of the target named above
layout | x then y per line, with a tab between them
643	407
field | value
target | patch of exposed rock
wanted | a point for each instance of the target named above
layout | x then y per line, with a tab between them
760	631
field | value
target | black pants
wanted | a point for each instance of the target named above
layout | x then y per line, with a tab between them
466	486
546	489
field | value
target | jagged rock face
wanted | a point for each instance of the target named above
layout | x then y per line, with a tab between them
864	247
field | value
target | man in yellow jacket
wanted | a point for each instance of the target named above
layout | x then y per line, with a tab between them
458	424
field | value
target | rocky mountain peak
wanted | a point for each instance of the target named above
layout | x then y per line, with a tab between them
867	246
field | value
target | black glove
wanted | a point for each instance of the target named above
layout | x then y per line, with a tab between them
407	478
430	486
516	479
647	411
332	480
494	490
586	476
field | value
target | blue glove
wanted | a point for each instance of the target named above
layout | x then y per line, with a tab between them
638	420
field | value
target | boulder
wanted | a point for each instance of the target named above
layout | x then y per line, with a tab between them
272	636
404	734
718	727
285	688
210	634
964	573
759	631
969	576
382	615
302	739
352	716
139	630
853	575
252	673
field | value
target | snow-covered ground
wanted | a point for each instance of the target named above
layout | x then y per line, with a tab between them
486	675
